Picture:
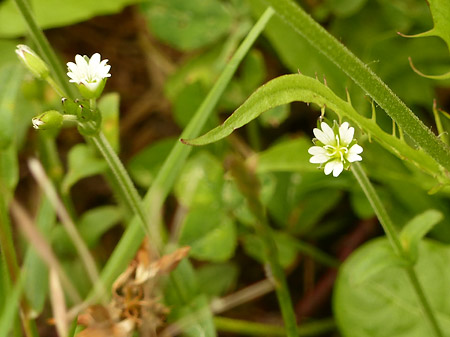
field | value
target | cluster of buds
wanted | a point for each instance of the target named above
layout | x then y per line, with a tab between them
88	74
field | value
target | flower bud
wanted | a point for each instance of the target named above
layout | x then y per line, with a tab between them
32	61
49	120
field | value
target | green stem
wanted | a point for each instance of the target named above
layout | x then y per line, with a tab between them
242	327
41	42
393	237
154	199
7	248
125	183
363	76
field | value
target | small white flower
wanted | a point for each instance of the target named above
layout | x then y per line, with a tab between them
335	148
90	73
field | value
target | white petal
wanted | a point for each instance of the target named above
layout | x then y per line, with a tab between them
338	167
326	136
353	157
329	167
317	150
319	159
95	60
346	134
355	149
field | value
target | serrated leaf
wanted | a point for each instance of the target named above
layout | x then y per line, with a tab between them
416	229
82	163
385	304
290	88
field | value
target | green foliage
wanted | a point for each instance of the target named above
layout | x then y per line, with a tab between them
83	163
373	296
187	25
54	13
109	107
217	279
415	230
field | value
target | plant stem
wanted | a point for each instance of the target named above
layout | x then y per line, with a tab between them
125	183
393	237
363	76
242	327
41	42
154	199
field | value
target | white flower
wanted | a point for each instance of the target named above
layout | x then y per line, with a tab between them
89	73
335	148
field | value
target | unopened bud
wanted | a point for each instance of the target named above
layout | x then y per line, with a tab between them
32	61
49	120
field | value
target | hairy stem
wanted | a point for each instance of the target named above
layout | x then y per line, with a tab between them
393	237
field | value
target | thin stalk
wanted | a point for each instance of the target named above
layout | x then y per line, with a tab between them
125	183
247	328
44	47
7	248
363	76
393	237
154	199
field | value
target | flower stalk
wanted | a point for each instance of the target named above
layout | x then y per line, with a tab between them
394	239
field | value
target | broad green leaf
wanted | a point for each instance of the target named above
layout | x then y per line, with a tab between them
55	13
210	233
182	294
287	248
416	229
82	163
187	25
275	116
290	155
10	79
289	88
345	7
201	182
95	222
217	279
385	305
109	106
144	166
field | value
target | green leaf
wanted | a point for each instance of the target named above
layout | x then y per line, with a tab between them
345	7
210	233
201	182
36	286
145	165
9	167
289	88
217	279
289	156
11	308
82	163
109	106
386	304
287	248
416	229
10	79
95	222
55	13
187	25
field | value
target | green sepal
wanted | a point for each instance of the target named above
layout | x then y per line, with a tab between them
49	120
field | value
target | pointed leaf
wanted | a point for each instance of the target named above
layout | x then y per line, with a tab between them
416	229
